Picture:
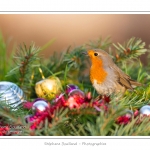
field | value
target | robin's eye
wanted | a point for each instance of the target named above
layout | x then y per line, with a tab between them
95	54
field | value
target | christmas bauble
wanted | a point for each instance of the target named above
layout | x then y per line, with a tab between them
70	87
48	88
77	92
145	110
11	94
40	106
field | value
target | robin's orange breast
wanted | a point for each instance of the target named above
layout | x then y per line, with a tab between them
97	72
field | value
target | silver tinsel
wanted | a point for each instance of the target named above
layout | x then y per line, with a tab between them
11	94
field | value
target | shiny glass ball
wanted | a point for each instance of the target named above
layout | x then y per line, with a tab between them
145	110
40	106
77	92
71	87
48	88
11	94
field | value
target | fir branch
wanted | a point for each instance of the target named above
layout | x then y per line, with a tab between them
75	61
133	48
54	64
133	128
75	58
26	60
11	118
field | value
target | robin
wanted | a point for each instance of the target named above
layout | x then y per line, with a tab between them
105	75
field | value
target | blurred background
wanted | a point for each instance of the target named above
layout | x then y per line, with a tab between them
72	29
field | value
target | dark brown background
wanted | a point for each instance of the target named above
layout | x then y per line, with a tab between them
73	29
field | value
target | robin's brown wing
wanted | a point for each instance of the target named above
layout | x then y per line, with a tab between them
122	78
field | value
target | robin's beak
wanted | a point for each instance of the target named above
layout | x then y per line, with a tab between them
85	53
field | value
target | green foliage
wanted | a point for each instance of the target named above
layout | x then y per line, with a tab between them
85	122
71	66
75	58
26	61
131	49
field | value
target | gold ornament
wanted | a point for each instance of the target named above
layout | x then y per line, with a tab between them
48	88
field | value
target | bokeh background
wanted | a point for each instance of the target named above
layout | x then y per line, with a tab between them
72	29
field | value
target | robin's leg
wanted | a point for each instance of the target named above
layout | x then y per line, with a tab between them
106	98
99	97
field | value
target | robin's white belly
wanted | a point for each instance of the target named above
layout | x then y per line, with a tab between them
104	88
107	88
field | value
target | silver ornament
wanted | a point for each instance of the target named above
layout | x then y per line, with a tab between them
145	110
11	94
40	106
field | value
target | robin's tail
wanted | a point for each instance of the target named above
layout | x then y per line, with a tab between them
135	83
